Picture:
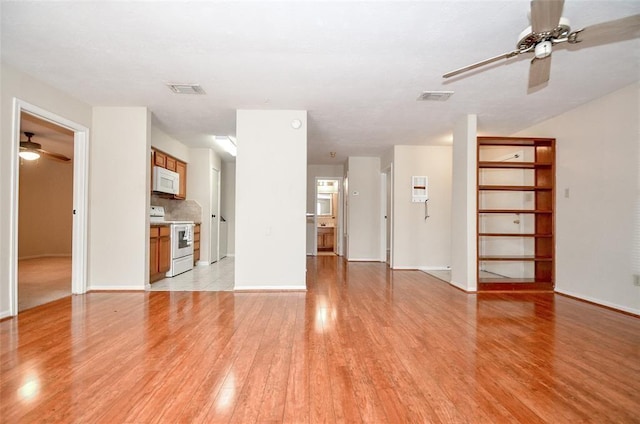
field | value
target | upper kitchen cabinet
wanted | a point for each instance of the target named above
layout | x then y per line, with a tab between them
166	161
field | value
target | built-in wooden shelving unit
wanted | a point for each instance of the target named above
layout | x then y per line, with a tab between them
516	202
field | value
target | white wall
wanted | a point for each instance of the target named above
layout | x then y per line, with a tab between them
19	85
270	223
199	170
228	204
119	198
463	204
314	171
598	158
363	211
161	141
420	243
45	204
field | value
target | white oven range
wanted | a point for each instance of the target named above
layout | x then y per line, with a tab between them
181	241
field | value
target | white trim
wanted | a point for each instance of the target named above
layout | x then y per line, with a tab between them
202	263
407	268
270	288
80	197
5	314
434	268
363	260
462	287
118	288
600	302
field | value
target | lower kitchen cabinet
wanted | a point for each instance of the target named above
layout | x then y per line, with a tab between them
196	243
159	252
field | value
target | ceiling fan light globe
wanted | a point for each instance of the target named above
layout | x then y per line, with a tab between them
29	155
543	49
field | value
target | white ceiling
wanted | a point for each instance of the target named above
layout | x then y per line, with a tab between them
357	67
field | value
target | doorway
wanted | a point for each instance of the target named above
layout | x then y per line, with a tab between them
48	222
45	202
328	216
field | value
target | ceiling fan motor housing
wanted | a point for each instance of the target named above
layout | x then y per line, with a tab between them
543	49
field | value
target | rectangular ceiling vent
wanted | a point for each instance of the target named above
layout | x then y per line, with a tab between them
186	88
435	96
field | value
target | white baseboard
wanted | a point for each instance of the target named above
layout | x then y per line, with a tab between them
405	268
230	255
202	263
364	260
116	288
4	314
270	288
434	268
599	302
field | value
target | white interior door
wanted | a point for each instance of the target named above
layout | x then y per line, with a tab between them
215	215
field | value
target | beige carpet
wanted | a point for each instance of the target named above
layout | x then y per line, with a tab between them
42	280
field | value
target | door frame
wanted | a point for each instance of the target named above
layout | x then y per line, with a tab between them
341	214
386	180
80	197
216	201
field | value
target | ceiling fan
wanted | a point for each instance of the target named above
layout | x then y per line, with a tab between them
549	28
30	150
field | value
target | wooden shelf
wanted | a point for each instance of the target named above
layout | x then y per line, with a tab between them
514	284
513	165
540	167
515	141
513	235
516	258
513	188
522	211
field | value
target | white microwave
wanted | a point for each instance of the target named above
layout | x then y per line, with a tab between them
165	181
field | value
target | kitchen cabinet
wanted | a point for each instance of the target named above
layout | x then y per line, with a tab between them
159	251
171	163
159	159
166	161
196	243
181	169
516	192
325	238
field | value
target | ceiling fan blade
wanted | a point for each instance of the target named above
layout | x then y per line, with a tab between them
607	32
539	71
545	14
54	156
482	63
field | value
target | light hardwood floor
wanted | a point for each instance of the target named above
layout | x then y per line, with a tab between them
363	344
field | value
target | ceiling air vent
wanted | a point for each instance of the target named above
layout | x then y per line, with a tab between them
186	88
435	96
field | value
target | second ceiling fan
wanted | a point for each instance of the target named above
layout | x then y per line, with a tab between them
549	28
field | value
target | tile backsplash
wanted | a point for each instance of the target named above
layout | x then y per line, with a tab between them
179	210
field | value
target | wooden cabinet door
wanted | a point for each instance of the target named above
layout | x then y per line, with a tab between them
159	159
196	243
153	251
171	163
181	169
164	249
164	254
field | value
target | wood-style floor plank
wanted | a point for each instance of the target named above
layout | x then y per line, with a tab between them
363	344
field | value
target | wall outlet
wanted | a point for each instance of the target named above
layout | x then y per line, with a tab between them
636	280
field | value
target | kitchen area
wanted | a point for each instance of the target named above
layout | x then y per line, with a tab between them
175	233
